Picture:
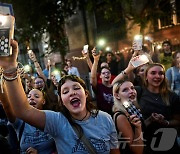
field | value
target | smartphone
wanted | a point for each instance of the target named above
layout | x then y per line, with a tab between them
98	49
138	40
6	34
139	60
85	48
131	109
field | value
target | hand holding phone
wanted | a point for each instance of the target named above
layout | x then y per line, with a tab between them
139	60
6	34
131	109
137	43
85	48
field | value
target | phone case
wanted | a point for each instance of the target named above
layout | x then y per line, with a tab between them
131	109
6	34
140	60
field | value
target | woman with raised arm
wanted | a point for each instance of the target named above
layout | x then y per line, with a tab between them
77	117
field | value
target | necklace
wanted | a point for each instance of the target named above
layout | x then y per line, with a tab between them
82	118
156	97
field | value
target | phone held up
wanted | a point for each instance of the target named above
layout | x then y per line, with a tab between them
137	43
6	34
85	48
131	109
139	60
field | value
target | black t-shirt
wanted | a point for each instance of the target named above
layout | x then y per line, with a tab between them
152	103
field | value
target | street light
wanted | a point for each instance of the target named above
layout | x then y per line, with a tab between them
101	42
108	48
159	47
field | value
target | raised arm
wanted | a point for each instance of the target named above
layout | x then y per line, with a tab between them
32	56
93	77
121	75
88	60
15	91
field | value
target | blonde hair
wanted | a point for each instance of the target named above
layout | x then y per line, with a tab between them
117	103
164	88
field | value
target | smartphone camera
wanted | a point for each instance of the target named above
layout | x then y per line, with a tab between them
6	34
85	48
138	42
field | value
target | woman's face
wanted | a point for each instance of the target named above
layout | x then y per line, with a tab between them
142	71
73	97
36	99
39	83
155	76
178	60
127	92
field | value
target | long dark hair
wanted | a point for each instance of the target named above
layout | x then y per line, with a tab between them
90	107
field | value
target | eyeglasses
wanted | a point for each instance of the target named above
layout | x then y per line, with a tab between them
39	82
105	73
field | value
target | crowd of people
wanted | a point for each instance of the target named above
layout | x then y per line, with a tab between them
132	105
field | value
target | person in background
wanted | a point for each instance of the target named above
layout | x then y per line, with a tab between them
173	73
166	55
112	63
128	126
71	69
31	140
77	113
102	90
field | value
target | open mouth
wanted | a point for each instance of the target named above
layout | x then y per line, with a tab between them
32	103
75	102
132	97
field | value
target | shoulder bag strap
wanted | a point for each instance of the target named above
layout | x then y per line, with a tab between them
86	142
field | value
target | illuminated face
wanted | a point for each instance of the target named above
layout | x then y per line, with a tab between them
155	76
36	99
39	83
73	97
105	75
127	92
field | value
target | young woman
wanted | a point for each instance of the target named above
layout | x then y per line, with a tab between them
159	106
98	127
31	138
128	126
173	73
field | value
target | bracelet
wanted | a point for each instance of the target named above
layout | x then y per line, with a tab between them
10	74
10	78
